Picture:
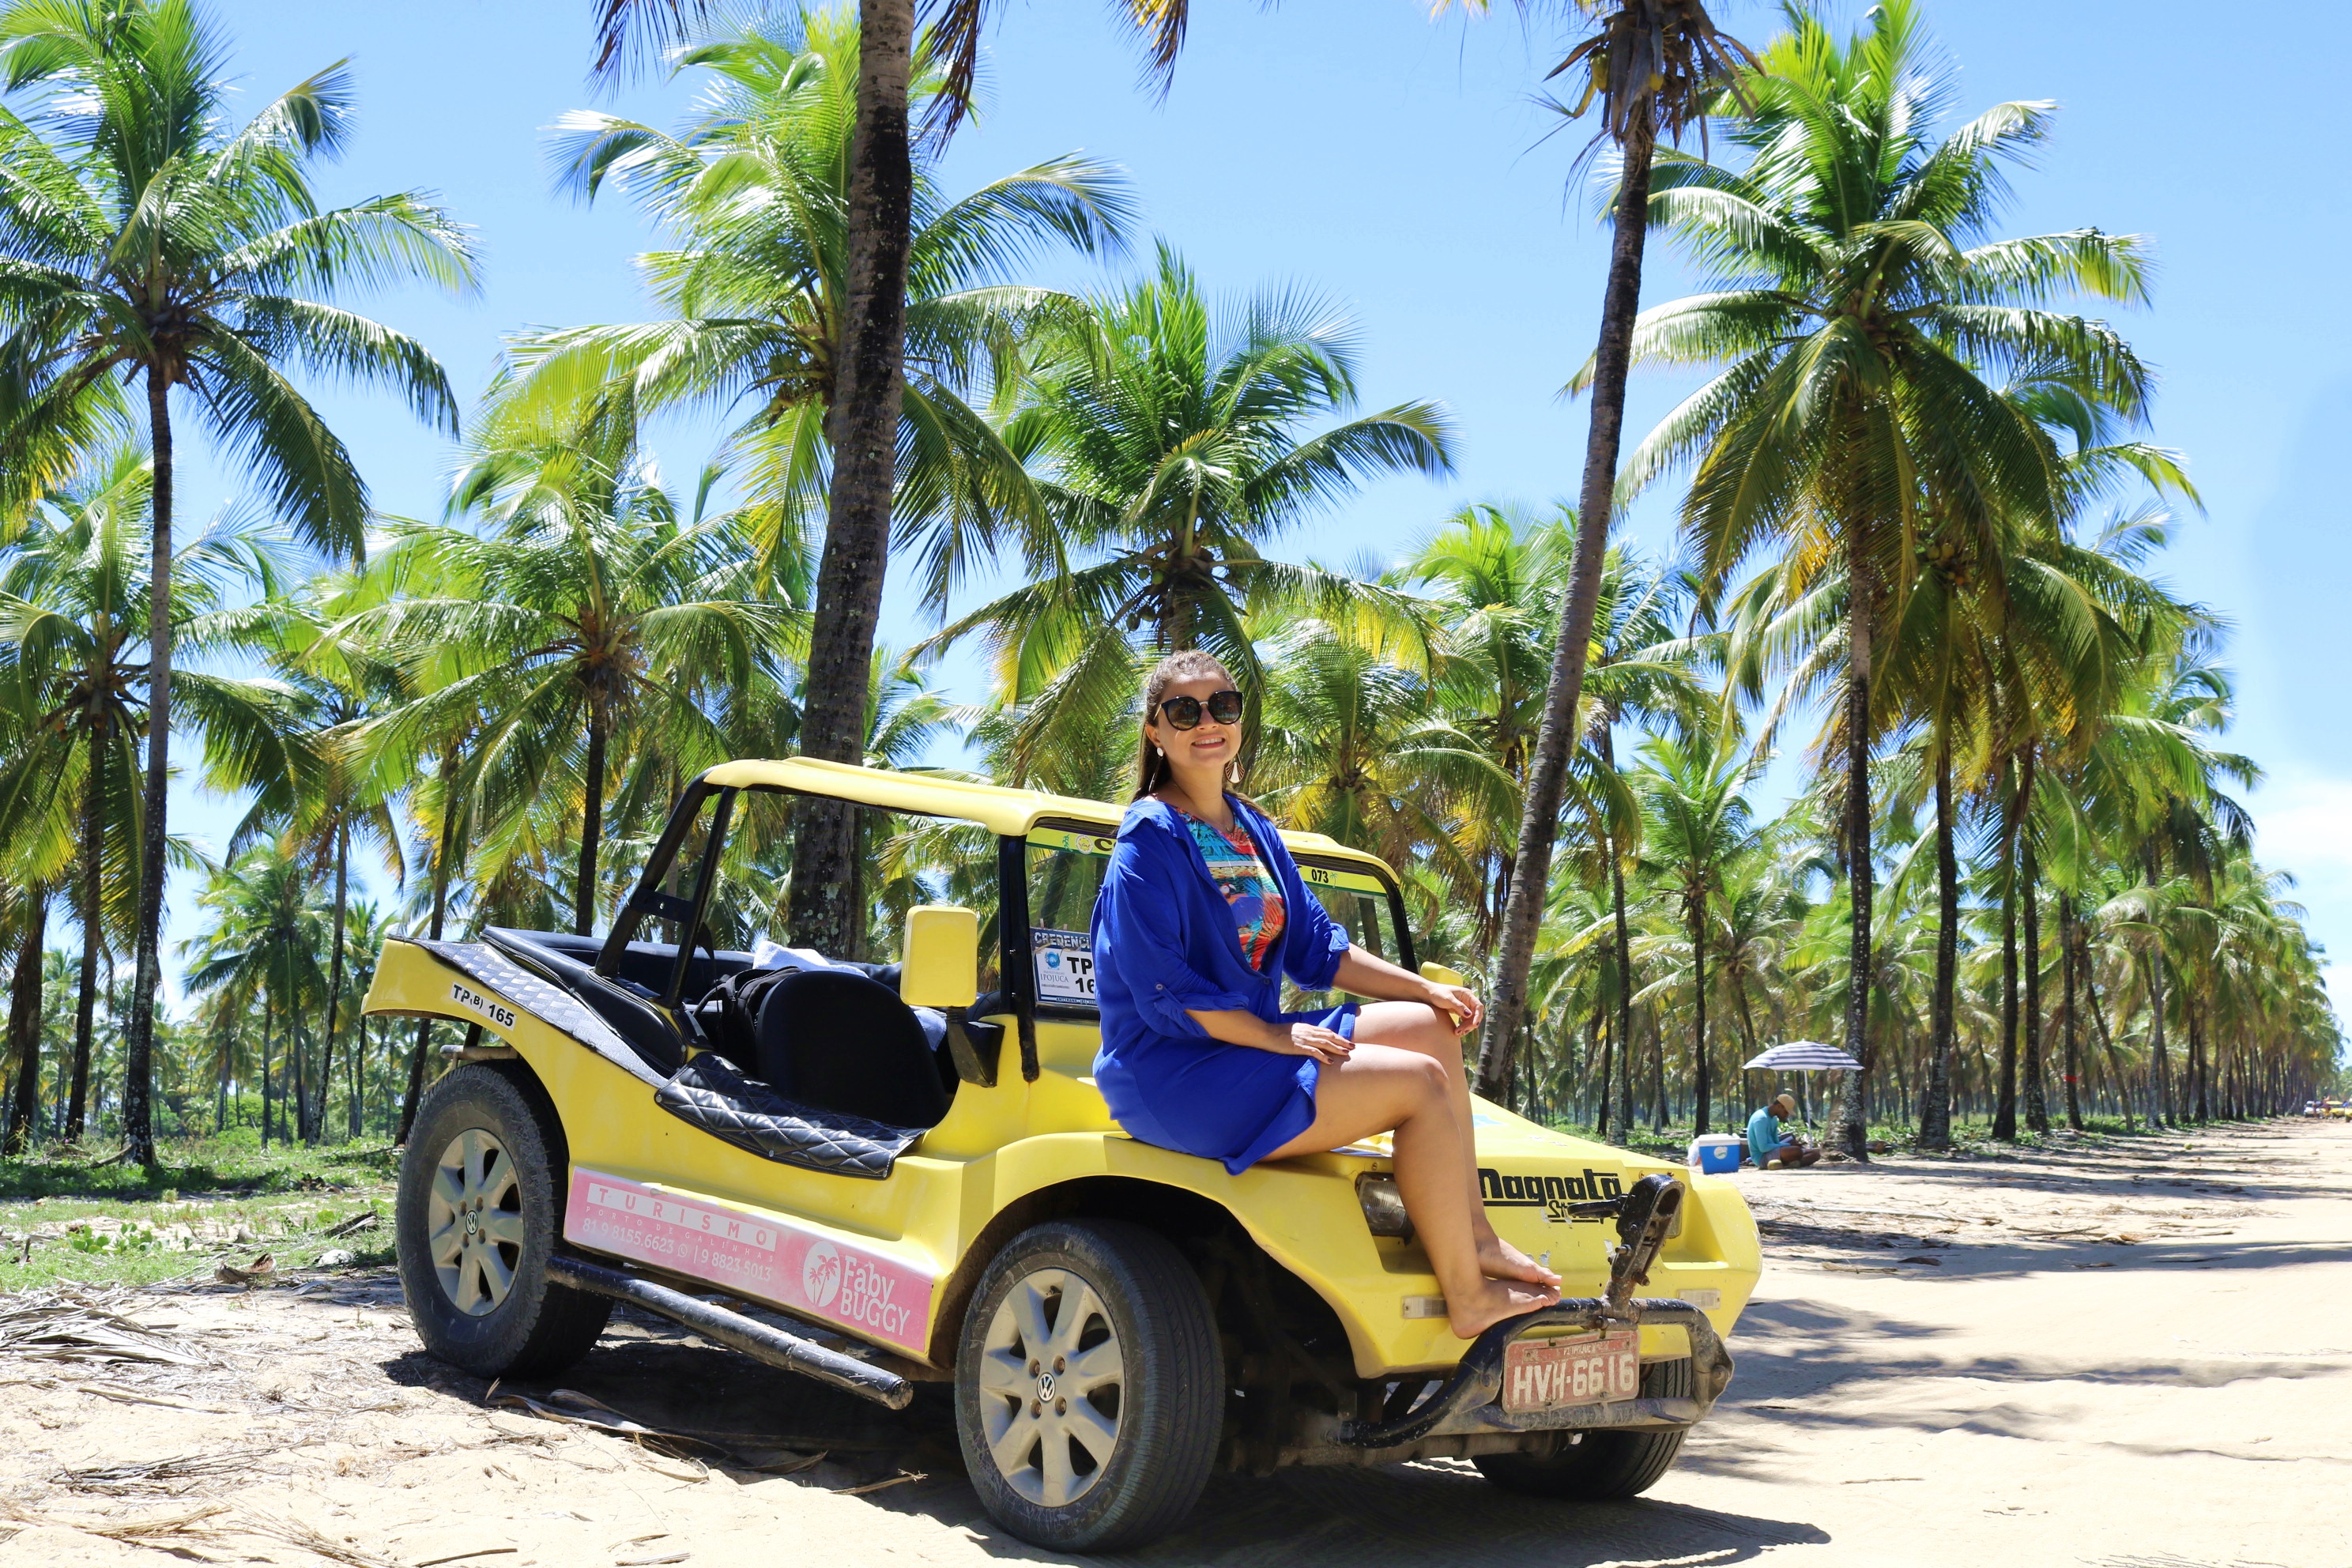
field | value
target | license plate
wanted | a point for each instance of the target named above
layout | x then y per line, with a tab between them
1577	1369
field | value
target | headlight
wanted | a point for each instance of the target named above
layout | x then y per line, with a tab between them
1383	1206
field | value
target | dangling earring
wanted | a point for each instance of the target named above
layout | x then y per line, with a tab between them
1233	772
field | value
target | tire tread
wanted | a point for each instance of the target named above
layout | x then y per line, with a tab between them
1176	1426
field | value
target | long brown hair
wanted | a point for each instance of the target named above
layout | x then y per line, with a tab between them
1152	769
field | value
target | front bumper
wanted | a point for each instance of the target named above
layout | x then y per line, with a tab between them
1470	1402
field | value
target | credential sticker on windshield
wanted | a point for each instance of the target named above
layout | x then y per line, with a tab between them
1331	876
1084	843
1065	965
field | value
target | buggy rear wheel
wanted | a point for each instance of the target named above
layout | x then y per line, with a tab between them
1600	1466
480	1210
1089	1386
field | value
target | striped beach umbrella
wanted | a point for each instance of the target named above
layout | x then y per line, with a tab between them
1803	1056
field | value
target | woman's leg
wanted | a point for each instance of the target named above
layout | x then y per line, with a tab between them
1416	1026
1380	1089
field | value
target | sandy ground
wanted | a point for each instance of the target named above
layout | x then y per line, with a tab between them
2134	1359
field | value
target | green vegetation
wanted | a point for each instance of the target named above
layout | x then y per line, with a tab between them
1920	514
207	1204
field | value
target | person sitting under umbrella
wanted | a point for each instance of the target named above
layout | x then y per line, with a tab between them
1770	1145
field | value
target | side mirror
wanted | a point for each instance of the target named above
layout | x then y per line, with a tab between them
939	965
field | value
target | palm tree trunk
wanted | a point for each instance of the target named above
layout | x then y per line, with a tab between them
2106	1040
1548	770
334	976
1850	1128
297	1066
2198	1094
2004	1115
1601	1051
2037	1097
24	1024
1624	942
1935	1099
440	909
862	426
147	975
1623	937
268	1026
1657	1070
592	832
2068	927
93	827
1704	1084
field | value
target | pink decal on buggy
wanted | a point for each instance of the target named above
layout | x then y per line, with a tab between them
761	1258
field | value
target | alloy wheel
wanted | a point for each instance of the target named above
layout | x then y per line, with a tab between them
1050	1386
474	1226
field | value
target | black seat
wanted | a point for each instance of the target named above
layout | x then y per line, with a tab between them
834	1038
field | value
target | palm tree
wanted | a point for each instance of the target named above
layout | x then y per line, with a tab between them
1653	66
163	247
1856	296
1493	577
24	926
1698	823
2150	784
1350	748
592	625
262	948
1172	444
850	322
71	590
306	787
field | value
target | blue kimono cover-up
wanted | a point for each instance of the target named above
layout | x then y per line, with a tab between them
1166	946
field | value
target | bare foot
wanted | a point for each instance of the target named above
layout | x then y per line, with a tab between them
1498	1259
1495	1300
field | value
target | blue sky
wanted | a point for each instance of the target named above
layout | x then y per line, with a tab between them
1401	165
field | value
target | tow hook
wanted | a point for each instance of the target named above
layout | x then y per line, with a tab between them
1645	1215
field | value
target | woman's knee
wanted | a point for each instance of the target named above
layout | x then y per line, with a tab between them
1426	1079
1412	1027
1407	1078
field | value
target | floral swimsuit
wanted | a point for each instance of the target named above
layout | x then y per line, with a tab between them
1249	890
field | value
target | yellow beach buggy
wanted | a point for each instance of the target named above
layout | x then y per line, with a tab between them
909	1162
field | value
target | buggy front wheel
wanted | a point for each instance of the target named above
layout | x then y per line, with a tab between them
481	1209
1600	1466
1089	1386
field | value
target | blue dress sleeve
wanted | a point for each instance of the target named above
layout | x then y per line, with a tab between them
1137	931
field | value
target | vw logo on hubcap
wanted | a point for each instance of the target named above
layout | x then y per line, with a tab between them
1044	1385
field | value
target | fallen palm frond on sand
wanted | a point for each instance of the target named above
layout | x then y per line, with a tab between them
168	1476
184	1533
69	1323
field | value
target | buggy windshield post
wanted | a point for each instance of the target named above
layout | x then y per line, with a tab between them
648	898
1013	938
706	878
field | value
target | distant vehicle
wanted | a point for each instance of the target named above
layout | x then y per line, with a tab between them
912	1159
2314	1108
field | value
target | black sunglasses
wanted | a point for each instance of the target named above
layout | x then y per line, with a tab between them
1184	712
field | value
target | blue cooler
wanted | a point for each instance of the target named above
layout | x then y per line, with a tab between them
1716	1154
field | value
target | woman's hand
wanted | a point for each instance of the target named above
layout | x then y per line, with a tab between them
1461	1003
1326	1046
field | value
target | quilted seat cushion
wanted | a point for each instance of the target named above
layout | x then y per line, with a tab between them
711	1093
